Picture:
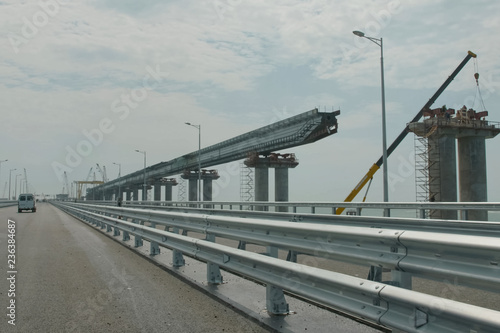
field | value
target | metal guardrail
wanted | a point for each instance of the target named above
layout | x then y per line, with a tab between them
8	203
313	207
478	228
474	260
409	251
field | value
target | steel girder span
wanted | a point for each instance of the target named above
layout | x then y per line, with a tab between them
295	131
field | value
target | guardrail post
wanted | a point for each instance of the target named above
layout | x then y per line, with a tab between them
138	241
275	298
401	279
108	228
116	231
154	248
375	274
177	257
292	256
126	236
213	270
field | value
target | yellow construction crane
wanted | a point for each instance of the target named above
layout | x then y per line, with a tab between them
374	168
80	184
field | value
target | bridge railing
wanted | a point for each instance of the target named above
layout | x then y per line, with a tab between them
7	203
354	208
469	260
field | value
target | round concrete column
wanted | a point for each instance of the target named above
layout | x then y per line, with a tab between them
135	194
207	189
261	186
442	173
157	191
472	173
193	189
281	187
168	192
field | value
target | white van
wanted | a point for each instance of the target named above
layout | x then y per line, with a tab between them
26	202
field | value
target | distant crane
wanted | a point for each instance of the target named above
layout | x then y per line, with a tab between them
81	184
66	184
103	172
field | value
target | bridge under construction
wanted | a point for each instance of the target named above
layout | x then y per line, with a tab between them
305	128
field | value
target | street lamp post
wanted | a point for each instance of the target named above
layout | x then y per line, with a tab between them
144	185
199	158
15	189
10	179
379	42
119	175
1	172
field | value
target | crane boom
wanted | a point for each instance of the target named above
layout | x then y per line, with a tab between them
374	168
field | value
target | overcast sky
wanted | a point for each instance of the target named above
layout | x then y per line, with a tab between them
104	78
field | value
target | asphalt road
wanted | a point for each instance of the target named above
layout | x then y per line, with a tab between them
70	278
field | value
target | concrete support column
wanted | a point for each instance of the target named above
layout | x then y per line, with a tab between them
168	192
208	177
442	173
128	195
193	190
169	183
135	194
157	191
192	177
261	186
281	163
472	173
207	189
281	187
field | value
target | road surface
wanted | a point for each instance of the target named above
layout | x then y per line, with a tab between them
70	278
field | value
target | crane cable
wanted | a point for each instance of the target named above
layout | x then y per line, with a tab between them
478	89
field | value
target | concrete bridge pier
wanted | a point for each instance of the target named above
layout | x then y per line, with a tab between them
281	163
471	130
169	183
128	195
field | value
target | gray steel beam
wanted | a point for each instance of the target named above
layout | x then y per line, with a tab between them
295	131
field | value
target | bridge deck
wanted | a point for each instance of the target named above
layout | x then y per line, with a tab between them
74	279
